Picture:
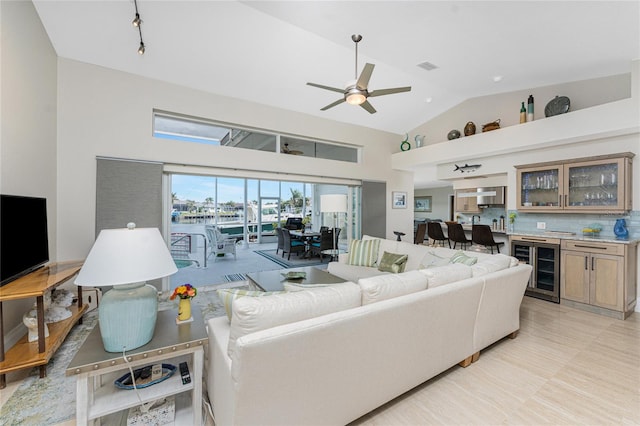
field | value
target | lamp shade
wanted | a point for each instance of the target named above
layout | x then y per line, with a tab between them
333	203
125	256
125	259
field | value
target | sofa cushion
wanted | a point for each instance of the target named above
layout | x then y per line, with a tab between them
441	275
228	295
434	258
289	286
461	257
494	263
393	262
351	272
363	252
251	314
375	289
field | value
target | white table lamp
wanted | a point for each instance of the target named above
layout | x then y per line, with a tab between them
126	259
333	203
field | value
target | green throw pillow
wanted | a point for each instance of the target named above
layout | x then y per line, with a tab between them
363	252
392	262
460	257
228	295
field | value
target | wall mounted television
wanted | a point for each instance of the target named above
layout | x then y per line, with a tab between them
24	242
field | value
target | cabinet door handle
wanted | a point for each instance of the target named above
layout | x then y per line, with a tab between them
586	263
592	264
559	200
590	247
565	200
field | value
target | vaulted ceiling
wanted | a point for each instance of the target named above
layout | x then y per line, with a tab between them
266	51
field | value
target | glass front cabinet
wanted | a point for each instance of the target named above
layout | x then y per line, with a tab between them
599	184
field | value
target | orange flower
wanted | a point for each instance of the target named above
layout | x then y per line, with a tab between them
186	291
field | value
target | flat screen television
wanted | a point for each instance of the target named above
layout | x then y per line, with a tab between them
24	242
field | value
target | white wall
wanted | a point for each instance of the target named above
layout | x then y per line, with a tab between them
506	106
104	112
27	125
439	203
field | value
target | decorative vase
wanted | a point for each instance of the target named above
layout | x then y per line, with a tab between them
454	134
620	229
510	227
470	129
184	309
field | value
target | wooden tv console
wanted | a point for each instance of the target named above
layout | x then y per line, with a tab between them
25	354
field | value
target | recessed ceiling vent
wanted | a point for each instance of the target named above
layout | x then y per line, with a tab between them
427	66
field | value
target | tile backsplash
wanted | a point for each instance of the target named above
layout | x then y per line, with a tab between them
574	222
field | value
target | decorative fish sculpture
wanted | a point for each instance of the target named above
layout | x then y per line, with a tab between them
467	168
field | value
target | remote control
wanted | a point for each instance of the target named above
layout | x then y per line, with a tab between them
184	372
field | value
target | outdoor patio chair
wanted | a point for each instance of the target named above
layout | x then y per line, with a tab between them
324	243
291	245
219	243
280	240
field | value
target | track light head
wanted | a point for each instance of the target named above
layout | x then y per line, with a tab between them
137	21
141	49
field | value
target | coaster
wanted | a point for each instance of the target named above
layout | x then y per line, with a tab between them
185	321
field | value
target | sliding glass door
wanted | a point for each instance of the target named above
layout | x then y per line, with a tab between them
246	211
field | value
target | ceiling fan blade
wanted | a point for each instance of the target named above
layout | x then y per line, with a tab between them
331	105
333	89
366	105
365	75
382	92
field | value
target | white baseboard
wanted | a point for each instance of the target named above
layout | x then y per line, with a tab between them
15	334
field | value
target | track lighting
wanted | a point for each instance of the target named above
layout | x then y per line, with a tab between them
137	23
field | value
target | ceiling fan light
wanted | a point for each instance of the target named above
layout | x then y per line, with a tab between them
355	98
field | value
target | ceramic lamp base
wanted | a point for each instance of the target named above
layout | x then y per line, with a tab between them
127	316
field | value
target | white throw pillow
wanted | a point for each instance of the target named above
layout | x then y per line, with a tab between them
434	259
496	262
228	295
251	314
446	274
381	287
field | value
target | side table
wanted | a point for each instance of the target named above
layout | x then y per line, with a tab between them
96	370
333	253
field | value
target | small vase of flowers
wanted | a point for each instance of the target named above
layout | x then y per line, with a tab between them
512	220
185	293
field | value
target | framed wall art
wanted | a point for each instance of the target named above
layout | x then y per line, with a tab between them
399	200
422	204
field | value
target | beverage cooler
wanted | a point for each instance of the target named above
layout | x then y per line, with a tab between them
544	255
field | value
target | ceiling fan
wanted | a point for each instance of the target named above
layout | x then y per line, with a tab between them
356	93
286	150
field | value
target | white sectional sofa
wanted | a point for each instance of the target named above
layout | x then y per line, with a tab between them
328	355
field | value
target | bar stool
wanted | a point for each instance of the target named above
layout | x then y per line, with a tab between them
434	230
456	234
482	235
420	231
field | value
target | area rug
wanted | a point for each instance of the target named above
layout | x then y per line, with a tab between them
294	262
52	399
